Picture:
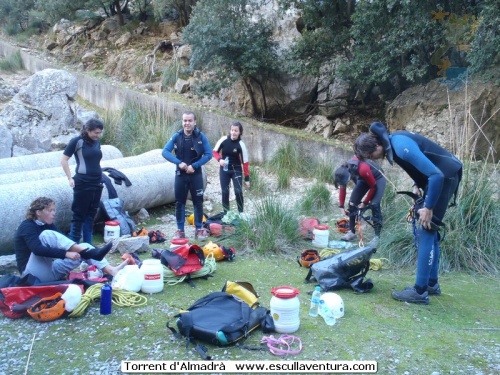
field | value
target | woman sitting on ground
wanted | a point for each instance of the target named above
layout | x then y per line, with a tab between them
43	251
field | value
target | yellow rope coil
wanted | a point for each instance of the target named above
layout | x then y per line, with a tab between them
119	297
326	252
380	264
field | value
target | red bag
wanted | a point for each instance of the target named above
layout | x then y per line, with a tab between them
15	301
217	229
184	259
306	227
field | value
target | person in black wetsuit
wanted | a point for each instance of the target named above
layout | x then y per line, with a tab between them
189	149
87	182
233	148
370	184
436	174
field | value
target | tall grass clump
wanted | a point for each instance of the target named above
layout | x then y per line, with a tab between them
258	185
471	241
137	129
12	63
171	73
287	162
273	228
316	198
397	237
323	172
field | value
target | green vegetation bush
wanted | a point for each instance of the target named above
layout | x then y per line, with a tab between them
273	229
136	129
12	63
258	185
317	198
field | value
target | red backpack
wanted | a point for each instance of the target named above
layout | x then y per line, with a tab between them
183	260
306	227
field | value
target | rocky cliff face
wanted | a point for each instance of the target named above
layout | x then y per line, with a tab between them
464	119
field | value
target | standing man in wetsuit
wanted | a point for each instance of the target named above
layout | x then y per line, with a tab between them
192	150
437	173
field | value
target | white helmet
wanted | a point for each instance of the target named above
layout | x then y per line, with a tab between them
334	303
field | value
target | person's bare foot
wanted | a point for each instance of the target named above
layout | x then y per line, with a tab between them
122	264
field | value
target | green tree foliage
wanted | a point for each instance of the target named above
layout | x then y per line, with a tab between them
53	11
485	51
324	26
231	41
392	39
183	8
15	14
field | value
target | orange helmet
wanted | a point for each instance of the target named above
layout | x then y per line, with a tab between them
307	258
342	225
48	309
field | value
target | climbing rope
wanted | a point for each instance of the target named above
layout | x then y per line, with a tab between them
380	264
120	298
170	278
326	252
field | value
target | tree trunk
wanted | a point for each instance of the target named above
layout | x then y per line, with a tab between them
118	9
248	86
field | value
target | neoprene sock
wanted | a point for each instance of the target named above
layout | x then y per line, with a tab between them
98	253
420	290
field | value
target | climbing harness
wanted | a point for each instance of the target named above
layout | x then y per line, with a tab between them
282	345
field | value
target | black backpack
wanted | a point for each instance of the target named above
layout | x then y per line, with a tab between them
343	270
220	319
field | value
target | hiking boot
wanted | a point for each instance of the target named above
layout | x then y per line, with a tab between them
434	290
201	234
349	236
410	295
179	234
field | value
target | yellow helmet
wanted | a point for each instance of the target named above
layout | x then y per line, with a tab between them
214	249
190	219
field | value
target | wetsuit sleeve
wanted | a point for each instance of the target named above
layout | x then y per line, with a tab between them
70	148
365	173
217	148
167	150
244	156
342	195
207	153
407	149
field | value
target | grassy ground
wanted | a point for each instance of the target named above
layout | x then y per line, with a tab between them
456	333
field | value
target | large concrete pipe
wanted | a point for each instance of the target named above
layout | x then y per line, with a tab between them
150	157
152	186
48	160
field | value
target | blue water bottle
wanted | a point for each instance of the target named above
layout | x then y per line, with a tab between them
106	294
226	165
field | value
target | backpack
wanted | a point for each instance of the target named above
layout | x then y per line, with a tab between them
184	260
306	227
217	227
345	269
219	319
